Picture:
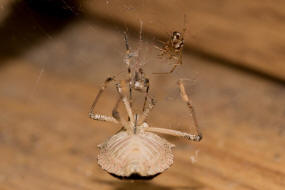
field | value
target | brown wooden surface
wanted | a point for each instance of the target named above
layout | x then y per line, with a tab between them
245	33
47	140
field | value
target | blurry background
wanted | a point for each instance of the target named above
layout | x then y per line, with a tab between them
55	54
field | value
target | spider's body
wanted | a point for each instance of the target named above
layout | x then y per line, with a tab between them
177	41
173	48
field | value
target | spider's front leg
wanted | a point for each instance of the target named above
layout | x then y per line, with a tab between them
162	51
97	116
127	60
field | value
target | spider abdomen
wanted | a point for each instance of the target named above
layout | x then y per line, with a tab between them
141	155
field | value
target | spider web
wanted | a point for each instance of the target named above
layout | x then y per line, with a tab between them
70	45
82	52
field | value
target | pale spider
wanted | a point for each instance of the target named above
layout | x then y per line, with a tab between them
136	152
173	48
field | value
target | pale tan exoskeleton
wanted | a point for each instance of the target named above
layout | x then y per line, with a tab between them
136	152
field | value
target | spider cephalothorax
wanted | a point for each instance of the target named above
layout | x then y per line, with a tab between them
173	48
177	41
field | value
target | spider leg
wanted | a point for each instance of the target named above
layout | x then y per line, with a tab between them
192	137
188	102
120	87
174	133
179	62
146	85
162	51
146	112
173	68
127	61
146	81
163	42
165	47
101	117
169	72
116	114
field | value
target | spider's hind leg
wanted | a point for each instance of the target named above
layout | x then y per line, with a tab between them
188	102
174	133
179	62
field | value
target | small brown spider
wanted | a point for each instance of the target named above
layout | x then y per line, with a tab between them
136	152
173	48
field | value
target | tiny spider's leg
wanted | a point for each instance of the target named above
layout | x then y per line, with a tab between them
174	133
173	68
101	117
125	100
169	72
188	101
161	50
146	112
179	62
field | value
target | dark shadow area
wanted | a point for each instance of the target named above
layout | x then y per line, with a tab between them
140	185
135	176
191	50
31	22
